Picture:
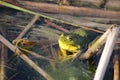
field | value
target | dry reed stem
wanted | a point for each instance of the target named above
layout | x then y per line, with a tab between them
25	58
3	56
93	48
106	54
116	67
2	61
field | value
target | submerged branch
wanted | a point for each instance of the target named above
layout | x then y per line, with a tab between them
36	55
78	11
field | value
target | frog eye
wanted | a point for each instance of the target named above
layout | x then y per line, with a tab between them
69	37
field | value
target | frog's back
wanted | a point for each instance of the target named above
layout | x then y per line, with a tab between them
85	36
80	32
85	33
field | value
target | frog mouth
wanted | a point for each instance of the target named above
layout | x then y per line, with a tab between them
69	53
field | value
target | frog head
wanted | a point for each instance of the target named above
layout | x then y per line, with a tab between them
72	43
68	46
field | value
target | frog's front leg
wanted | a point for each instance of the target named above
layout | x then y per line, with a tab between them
24	43
66	55
62	54
18	42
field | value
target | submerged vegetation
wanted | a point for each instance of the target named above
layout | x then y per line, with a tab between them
47	46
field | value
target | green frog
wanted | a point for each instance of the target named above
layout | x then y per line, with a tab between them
73	43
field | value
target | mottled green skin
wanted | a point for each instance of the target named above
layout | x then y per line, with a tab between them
72	43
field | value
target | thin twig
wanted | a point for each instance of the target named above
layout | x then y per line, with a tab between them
28	27
36	54
12	76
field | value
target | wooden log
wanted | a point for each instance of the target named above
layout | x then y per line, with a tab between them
77	11
113	5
